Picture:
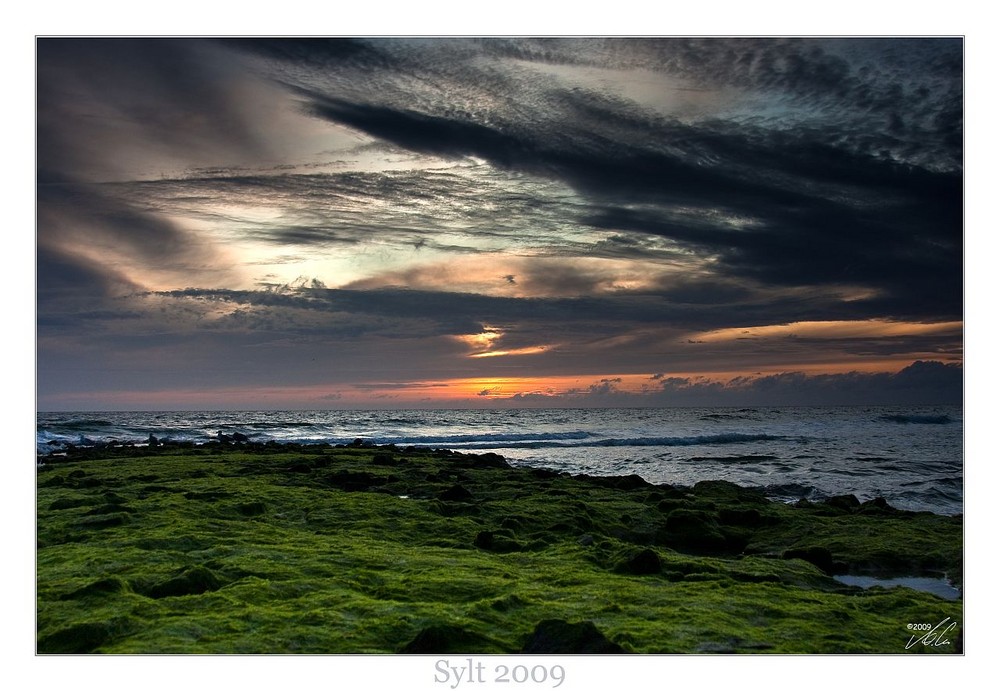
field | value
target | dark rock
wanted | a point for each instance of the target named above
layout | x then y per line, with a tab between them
668	505
729	492
626	482
741	517
692	530
492	460
223	437
630	482
819	557
354	481
559	637
76	639
445	638
456	493
251	508
844	502
384	459
492	542
193	581
240	437
507	603
878	506
643	563
153	441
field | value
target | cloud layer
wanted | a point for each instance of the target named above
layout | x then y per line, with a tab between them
251	213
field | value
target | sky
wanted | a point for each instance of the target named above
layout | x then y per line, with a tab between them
458	222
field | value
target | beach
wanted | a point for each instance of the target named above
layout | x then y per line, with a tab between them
248	547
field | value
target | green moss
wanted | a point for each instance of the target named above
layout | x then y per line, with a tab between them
374	550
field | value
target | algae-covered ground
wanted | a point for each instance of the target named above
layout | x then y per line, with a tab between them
314	549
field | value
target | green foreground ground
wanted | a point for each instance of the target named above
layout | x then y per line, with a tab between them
221	549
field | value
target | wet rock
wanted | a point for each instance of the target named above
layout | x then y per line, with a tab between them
819	557
729	492
456	493
560	637
878	506
240	437
844	502
350	481
642	563
692	530
193	581
76	639
383	458
493	460
623	482
494	542
445	638
741	517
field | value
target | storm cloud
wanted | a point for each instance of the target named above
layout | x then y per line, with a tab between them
418	212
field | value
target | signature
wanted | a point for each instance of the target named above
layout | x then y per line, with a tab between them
935	637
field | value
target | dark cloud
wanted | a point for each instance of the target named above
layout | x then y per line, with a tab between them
633	192
105	103
933	383
814	212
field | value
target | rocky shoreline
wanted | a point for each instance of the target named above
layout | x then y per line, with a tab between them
239	547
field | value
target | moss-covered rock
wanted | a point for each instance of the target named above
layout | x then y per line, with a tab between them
223	550
560	637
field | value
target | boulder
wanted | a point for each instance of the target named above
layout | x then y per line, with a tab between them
456	493
844	502
193	581
560	637
642	563
819	557
693	530
444	638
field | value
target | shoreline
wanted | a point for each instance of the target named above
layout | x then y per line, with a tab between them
523	543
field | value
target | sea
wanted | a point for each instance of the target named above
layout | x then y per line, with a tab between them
911	456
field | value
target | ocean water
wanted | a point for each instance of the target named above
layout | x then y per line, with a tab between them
911	456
